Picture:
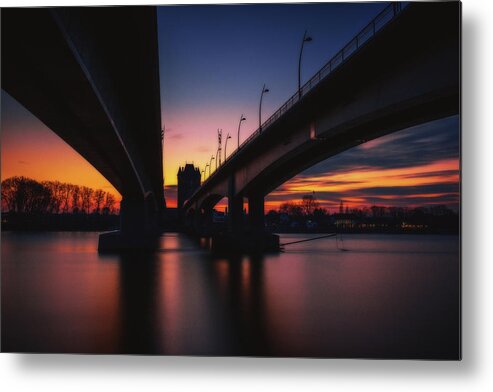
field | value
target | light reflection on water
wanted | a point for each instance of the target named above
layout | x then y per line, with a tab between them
388	296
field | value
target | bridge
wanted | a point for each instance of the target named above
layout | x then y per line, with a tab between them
91	74
401	70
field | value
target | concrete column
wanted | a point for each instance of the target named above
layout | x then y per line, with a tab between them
197	220
235	208
138	215
188	220
256	212
207	220
139	227
235	213
132	215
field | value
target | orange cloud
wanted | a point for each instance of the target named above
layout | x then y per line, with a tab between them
357	179
371	177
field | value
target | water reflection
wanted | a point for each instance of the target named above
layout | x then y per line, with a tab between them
137	303
240	289
381	299
172	303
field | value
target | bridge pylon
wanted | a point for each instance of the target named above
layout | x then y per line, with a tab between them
139	226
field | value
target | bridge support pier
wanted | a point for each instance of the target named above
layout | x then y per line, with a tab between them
138	215
139	227
256	213
235	214
239	240
206	221
235	208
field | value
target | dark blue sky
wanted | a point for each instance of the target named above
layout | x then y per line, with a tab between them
215	59
223	54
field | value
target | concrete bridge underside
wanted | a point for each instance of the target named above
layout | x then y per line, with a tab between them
91	74
406	75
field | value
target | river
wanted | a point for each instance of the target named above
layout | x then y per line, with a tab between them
367	296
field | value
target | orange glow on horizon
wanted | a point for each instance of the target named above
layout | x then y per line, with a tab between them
32	150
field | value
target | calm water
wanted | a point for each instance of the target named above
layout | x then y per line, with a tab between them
387	296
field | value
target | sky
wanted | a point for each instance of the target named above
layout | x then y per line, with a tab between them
214	61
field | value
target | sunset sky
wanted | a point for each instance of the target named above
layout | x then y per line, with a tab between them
213	63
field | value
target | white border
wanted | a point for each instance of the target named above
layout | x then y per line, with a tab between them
474	373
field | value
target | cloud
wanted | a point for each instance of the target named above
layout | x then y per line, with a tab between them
415	167
418	145
175	136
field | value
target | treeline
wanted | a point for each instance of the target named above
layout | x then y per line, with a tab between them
309	207
27	196
307	216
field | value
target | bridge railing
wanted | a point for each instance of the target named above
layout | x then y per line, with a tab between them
388	14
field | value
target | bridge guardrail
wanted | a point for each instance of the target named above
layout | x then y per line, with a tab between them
388	14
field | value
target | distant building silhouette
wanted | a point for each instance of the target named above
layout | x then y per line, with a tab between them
188	182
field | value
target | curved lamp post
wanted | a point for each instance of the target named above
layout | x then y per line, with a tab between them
264	90
205	170
226	144
218	151
305	39
239	126
210	165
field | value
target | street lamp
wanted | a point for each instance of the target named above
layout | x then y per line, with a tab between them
264	90
202	172
239	126
218	151
210	165
305	39
226	144
205	170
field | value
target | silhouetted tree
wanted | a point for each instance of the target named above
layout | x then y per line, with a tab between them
86	199
21	194
65	197
56	189
99	195
272	217
109	203
9	190
308	204
284	208
291	209
377	211
25	195
319	212
75	192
